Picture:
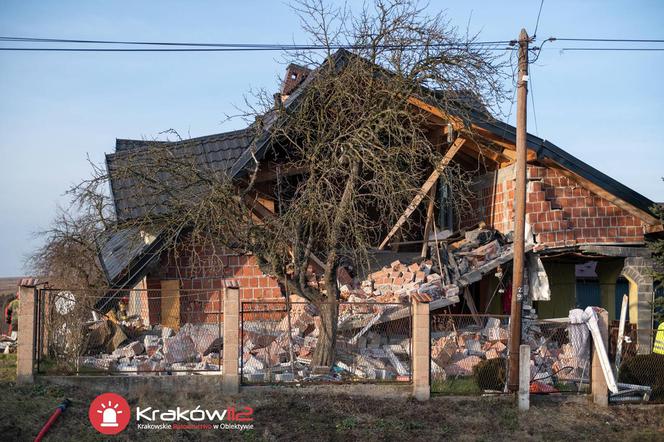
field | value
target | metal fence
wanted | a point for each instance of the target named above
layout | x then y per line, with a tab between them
136	331
637	363
560	356
469	355
279	342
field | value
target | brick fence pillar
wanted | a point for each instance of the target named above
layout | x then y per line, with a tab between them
421	357
231	369
638	271
599	388
25	353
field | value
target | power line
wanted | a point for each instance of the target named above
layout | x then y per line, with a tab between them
255	46
182	49
611	49
532	99
280	48
613	40
143	49
538	18
252	47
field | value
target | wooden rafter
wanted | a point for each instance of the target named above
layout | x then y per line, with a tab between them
426	187
653	224
457	123
430	221
269	172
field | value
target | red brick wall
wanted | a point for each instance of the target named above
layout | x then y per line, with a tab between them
563	213
494	202
201	282
560	211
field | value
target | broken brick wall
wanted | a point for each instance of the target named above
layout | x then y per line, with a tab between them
563	213
560	211
494	200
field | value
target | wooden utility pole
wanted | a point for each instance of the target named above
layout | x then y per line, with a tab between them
519	212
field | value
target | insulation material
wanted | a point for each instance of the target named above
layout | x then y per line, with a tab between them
538	279
579	334
589	317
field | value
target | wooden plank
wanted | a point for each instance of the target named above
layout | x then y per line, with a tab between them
428	184
270	171
471	305
430	220
477	274
170	303
621	331
456	121
487	151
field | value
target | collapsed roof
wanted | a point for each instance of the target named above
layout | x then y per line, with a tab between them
234	153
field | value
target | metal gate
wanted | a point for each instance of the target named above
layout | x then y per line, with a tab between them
278	341
140	331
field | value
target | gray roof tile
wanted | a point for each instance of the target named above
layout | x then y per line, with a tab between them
216	153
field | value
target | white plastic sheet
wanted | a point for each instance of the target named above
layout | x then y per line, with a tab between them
538	279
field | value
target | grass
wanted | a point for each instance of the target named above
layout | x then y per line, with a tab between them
7	367
456	387
301	415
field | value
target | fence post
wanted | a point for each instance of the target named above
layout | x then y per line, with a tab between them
524	377
230	374
421	357
599	388
25	353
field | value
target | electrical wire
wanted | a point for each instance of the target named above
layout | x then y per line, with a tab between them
612	40
613	49
532	100
539	13
33	49
252	47
243	46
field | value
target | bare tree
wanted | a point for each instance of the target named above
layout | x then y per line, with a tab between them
69	254
360	147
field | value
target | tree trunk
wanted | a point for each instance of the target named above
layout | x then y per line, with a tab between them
324	354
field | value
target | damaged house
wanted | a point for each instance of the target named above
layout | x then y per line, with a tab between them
586	232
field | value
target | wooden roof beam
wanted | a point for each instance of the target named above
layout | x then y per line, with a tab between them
269	171
424	190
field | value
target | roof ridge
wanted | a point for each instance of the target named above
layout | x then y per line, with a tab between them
203	138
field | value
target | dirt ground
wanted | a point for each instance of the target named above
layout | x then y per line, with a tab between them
302	415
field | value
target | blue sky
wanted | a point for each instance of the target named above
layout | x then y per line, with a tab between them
56	108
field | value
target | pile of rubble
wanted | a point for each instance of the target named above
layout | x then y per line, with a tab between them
455	353
556	357
195	347
397	282
7	344
555	360
271	354
477	248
